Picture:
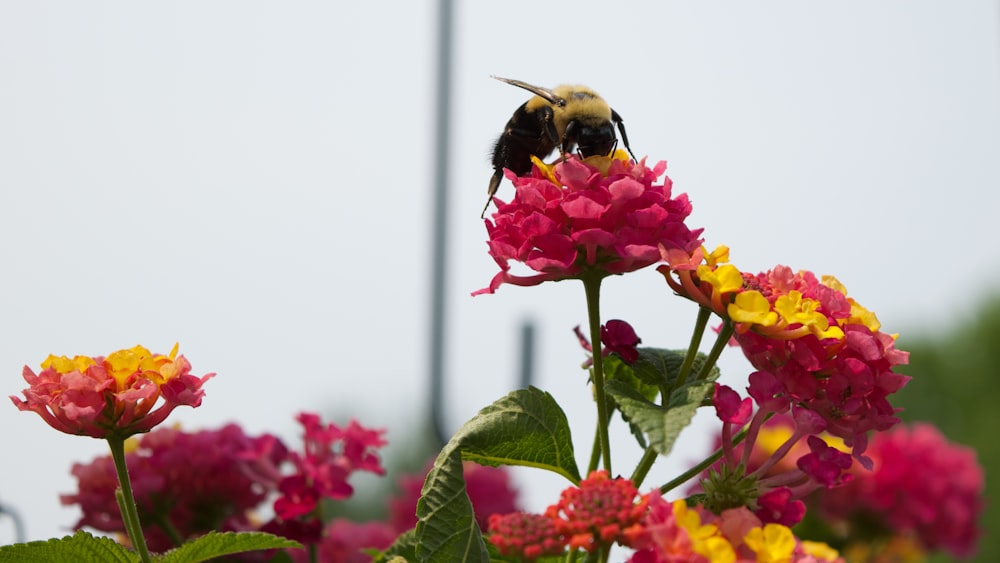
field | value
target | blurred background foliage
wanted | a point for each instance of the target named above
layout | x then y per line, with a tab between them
956	385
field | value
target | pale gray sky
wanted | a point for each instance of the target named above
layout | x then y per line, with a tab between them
251	179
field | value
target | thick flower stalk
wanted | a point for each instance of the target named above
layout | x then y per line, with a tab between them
600	216
110	397
820	349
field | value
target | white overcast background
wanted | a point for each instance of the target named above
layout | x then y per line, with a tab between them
252	180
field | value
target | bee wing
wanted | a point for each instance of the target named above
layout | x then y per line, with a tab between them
545	93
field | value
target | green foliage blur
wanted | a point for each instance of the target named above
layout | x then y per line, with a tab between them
956	385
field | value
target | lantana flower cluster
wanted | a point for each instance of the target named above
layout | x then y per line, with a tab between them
601	216
187	484
922	488
110	396
602	512
813	346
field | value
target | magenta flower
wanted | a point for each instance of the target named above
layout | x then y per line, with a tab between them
617	337
113	396
574	217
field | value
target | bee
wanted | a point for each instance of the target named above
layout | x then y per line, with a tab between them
554	119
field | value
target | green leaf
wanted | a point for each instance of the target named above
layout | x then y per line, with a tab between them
661	424
405	546
615	368
215	544
527	428
446	525
81	547
659	367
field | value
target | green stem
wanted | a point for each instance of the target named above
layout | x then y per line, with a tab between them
595	450
168	528
705	464
592	286
126	501
699	330
720	344
645	464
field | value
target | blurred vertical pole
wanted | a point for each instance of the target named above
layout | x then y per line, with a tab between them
527	353
439	220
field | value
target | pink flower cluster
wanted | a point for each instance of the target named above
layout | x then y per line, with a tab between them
922	486
330	454
185	484
112	396
573	218
814	346
672	532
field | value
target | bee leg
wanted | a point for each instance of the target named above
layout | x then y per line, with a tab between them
494	185
621	129
568	137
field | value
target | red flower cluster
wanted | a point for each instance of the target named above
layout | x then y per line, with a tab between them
576	217
820	348
525	536
187	484
113	396
599	512
184	483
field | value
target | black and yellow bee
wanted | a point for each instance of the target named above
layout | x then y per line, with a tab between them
554	119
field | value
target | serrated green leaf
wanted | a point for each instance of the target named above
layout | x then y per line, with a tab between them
405	546
658	367
661	424
446	525
217	544
81	547
527	428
